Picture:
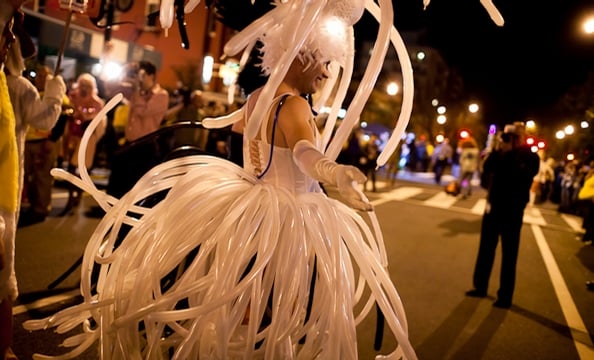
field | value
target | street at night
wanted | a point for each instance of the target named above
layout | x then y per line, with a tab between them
431	239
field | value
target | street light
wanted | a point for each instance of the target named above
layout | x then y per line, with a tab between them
392	88
530	125
589	25
569	129
473	108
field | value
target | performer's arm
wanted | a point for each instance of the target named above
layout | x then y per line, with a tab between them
345	177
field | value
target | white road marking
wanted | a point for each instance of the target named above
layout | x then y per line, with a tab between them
401	193
573	221
533	216
579	332
479	207
441	200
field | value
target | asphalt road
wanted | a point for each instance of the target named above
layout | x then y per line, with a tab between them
431	239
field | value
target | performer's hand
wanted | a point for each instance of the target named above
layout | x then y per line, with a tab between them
55	88
347	179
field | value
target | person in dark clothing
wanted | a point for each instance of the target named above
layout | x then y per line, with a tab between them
509	171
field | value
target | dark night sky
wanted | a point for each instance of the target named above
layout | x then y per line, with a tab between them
518	69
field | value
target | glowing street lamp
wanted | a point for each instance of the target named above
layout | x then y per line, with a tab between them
530	124
569	129
473	108
588	25
392	88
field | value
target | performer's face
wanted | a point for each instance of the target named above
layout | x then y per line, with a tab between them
313	76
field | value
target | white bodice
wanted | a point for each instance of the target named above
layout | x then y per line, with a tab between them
283	171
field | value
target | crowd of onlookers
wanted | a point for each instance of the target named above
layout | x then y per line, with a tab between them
557	182
146	108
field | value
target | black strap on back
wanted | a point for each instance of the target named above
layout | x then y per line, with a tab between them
280	104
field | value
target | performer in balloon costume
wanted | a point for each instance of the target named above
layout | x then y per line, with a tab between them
253	262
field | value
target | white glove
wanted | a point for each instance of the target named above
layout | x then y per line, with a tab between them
55	88
345	177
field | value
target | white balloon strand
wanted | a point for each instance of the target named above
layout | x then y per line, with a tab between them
378	53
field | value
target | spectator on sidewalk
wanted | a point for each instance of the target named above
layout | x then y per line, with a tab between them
86	103
147	100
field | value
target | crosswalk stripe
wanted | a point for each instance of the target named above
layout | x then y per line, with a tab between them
533	216
400	194
441	200
573	221
479	207
579	332
404	193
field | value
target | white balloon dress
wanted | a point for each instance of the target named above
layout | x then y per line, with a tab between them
228	265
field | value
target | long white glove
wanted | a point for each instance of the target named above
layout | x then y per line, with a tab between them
345	177
55	88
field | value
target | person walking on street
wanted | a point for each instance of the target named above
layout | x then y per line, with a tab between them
508	171
469	163
442	157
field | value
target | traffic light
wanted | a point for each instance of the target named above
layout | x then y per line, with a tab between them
464	134
530	141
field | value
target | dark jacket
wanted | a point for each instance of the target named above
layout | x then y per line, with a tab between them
509	176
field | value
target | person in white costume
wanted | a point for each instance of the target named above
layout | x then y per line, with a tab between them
255	262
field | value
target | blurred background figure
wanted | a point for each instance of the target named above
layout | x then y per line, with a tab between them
569	187
469	164
146	103
441	159
423	153
86	103
586	195
147	100
41	153
370	152
547	178
542	181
